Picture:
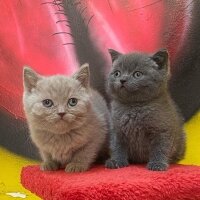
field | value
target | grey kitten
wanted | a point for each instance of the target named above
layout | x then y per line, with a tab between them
68	120
146	128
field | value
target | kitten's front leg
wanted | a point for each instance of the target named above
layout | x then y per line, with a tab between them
119	154
82	159
160	148
48	163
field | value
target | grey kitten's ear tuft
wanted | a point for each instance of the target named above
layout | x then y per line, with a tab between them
30	78
161	58
114	54
83	75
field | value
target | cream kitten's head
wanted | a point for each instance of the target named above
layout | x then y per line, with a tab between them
57	103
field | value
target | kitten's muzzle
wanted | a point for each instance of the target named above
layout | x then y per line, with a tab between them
122	81
61	114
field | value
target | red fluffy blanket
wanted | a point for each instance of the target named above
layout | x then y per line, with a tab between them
134	182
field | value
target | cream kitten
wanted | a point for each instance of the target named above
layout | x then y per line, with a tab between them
68	120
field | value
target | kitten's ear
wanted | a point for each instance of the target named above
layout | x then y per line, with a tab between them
83	75
114	54
161	58
30	78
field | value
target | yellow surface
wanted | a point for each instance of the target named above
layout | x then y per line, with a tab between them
10	164
10	168
192	129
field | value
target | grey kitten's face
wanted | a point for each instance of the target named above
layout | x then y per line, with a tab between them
57	103
137	76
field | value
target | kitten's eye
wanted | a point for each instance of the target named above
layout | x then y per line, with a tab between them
117	74
47	103
72	102
137	74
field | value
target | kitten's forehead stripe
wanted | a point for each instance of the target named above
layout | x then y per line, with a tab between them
134	61
58	88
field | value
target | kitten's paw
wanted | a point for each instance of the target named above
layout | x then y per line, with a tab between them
49	166
113	164
76	167
157	166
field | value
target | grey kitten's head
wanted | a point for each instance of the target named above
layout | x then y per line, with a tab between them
137	77
56	103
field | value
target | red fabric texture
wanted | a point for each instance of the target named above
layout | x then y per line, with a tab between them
134	182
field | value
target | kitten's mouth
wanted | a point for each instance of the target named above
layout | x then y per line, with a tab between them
60	120
122	87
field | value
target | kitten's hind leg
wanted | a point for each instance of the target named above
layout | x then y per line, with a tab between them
48	163
119	154
180	149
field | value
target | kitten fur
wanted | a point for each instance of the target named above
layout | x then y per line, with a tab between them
69	137
146	127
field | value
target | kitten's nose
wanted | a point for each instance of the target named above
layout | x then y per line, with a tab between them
122	81
61	114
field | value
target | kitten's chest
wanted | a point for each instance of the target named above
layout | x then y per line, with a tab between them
60	147
132	120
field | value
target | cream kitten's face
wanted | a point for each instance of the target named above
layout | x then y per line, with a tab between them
57	103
